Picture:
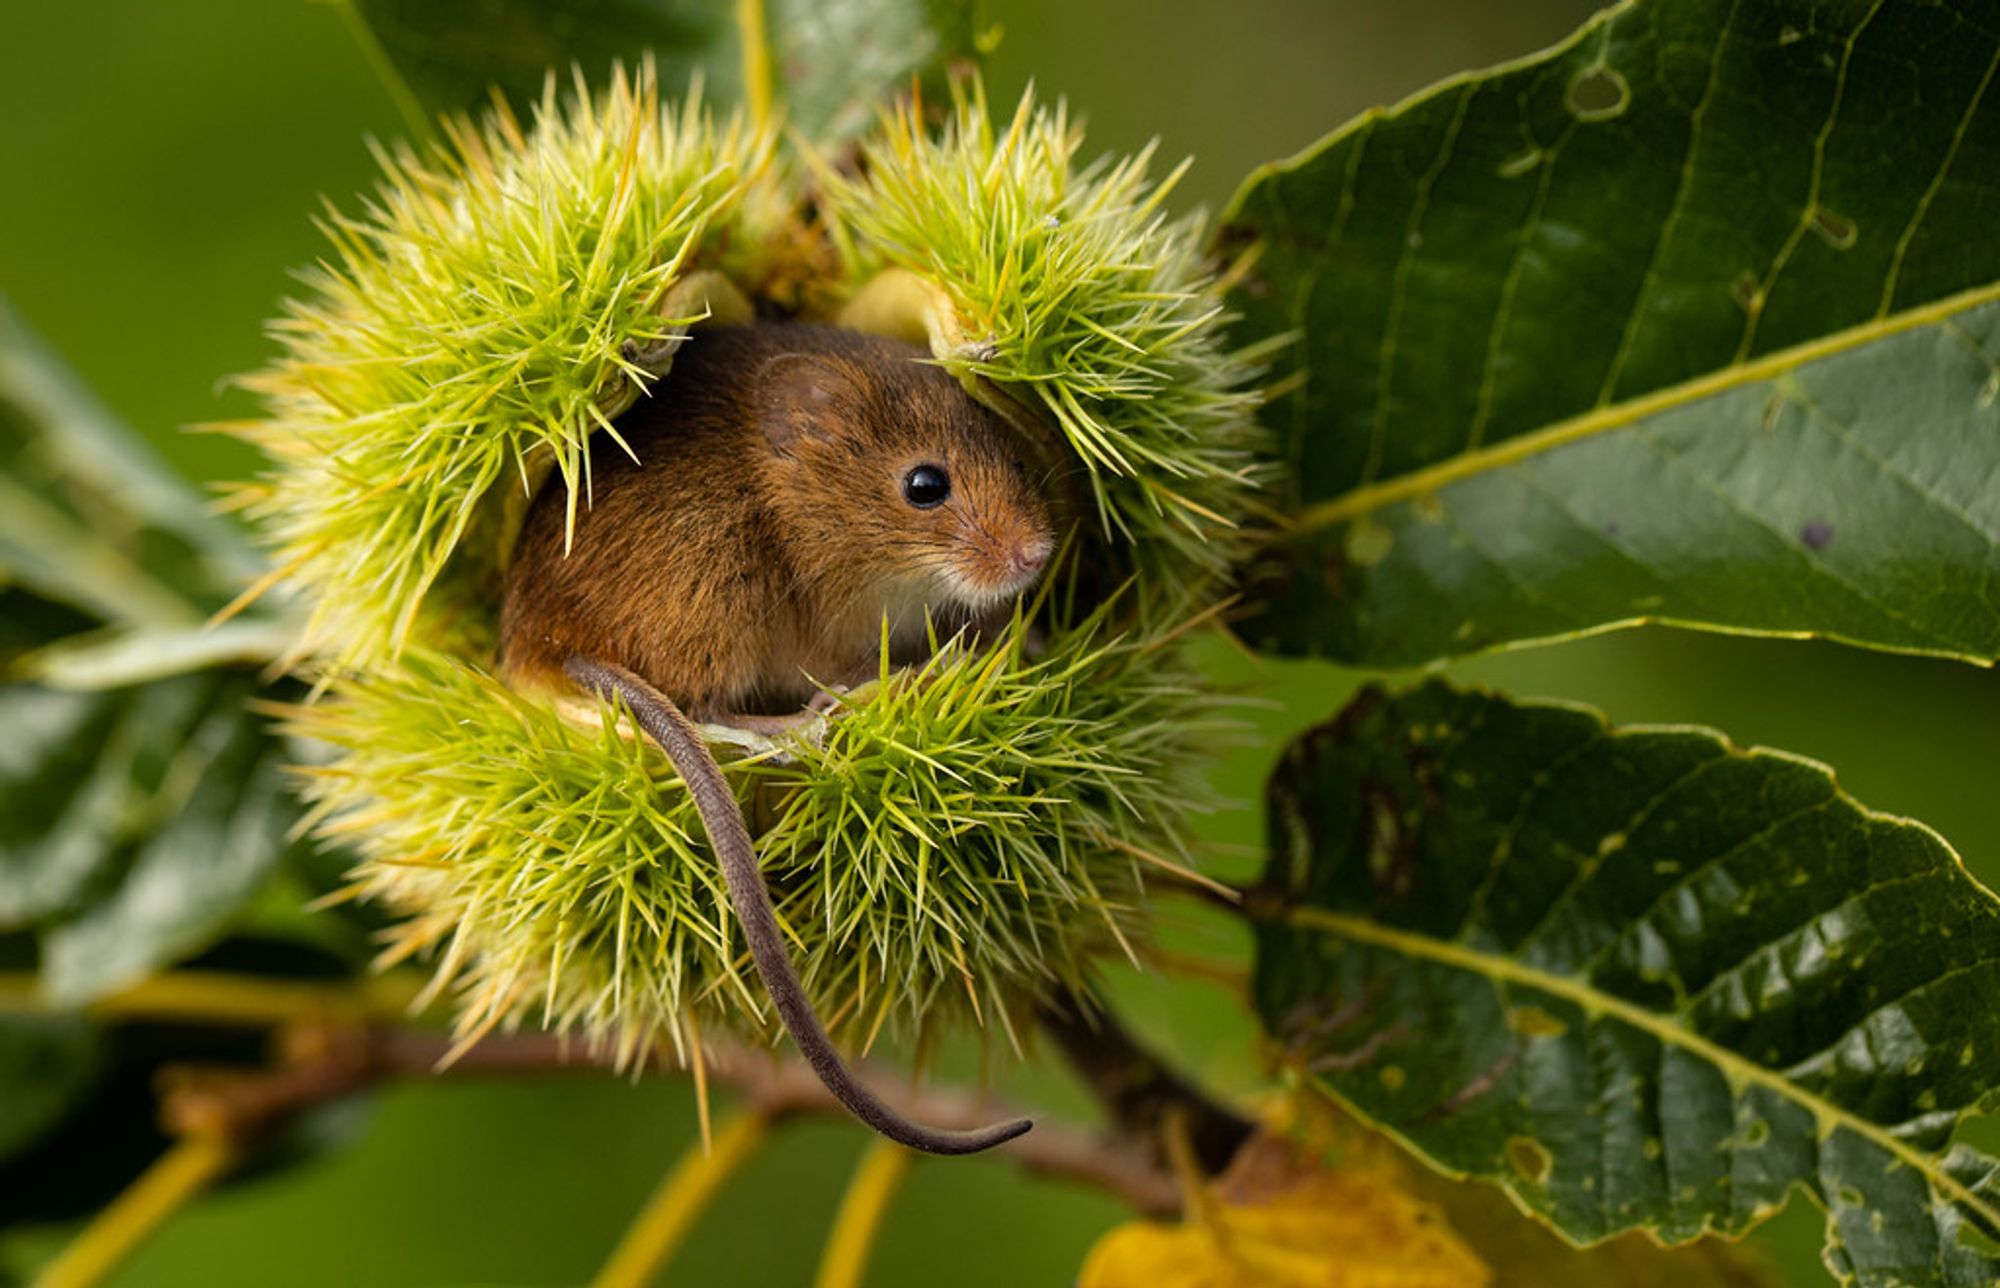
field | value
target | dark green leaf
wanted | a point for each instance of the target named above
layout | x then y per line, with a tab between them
452	56
1528	1253
1642	979
76	773
134	823
831	62
89	516
188	879
1690	319
46	1065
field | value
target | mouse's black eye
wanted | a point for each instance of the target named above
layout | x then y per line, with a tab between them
927	486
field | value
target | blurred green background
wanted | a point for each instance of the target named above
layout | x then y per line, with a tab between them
159	163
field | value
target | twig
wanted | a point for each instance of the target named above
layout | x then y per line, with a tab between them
671	1212
175	1178
1117	1167
338	1042
220	1112
319	1063
1138	1089
859	1221
1120	1167
322	1063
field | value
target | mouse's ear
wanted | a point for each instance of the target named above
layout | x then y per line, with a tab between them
797	397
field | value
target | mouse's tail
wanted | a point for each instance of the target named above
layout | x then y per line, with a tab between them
723	817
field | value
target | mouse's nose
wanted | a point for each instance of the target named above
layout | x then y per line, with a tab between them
1030	557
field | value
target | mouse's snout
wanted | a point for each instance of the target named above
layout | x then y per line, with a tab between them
1021	558
1028	558
996	559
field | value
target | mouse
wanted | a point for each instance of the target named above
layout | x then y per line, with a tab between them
788	499
748	528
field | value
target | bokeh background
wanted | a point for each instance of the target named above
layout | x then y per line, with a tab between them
158	163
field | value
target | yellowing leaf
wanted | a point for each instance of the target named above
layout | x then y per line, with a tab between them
1277	1219
1519	1252
1364	1216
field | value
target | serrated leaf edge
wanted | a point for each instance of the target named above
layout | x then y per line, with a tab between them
1591	1001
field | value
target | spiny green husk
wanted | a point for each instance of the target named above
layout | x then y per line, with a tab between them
963	840
958	839
471	331
1070	286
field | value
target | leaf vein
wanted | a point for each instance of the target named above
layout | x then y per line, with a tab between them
1590	965
1601	420
1629	338
1936	185
1811	207
1385	369
1596	1003
1823	420
1694	1001
1529	590
1503	845
1794	552
1679	782
1517	265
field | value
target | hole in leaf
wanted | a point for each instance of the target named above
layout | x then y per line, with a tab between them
1598	94
1530	1158
1836	230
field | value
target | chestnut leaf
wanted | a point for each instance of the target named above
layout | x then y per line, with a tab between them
1643	979
1694	318
831	64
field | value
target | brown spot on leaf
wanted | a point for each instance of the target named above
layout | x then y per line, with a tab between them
1479	1086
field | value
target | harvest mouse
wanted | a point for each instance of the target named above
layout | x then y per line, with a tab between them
792	486
746	532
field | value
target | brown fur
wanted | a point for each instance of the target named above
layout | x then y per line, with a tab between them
761	535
